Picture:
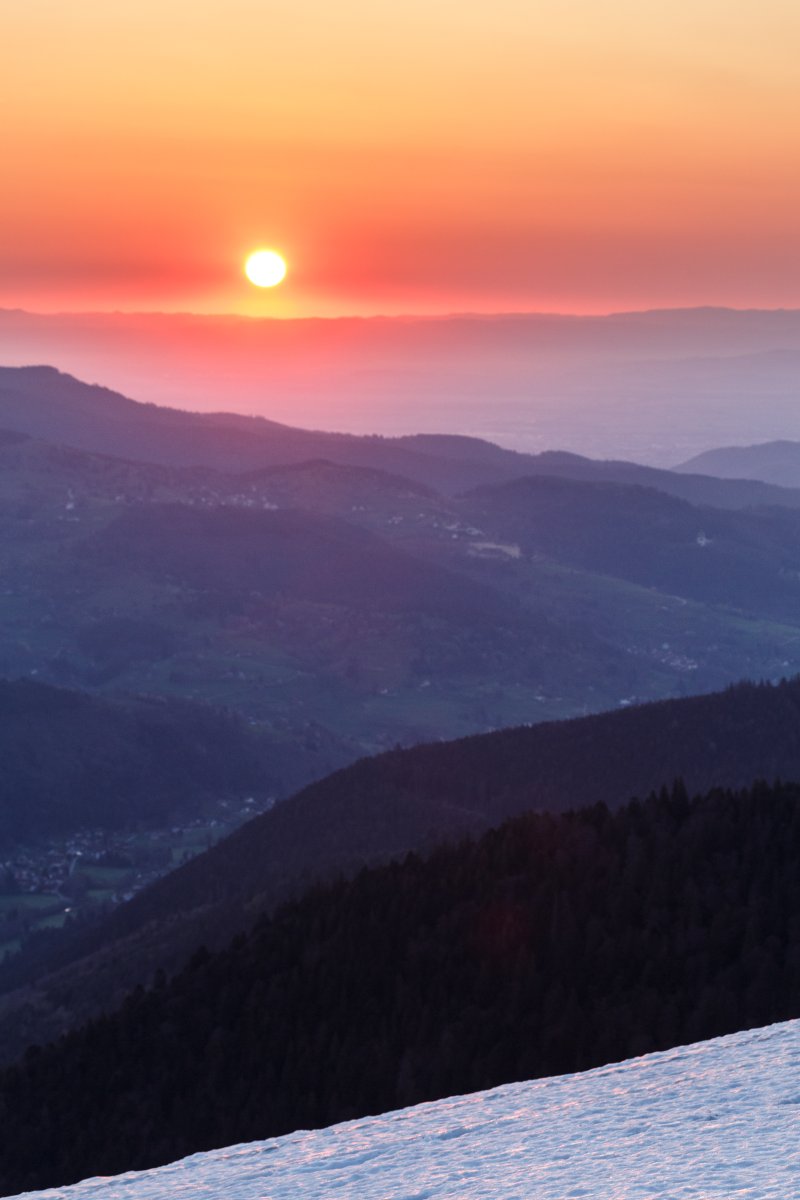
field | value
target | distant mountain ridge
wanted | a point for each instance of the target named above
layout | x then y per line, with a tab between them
47	404
641	534
650	386
696	487
44	403
775	463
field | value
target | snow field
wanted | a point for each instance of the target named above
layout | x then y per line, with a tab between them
718	1119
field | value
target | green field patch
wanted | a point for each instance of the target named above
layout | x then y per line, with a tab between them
55	921
29	902
104	877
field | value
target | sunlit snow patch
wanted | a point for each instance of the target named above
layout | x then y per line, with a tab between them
717	1119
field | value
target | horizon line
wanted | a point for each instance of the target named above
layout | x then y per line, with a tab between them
455	315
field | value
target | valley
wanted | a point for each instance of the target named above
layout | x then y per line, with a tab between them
225	688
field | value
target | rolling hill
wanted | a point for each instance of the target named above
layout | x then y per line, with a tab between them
73	761
744	560
47	404
89	602
381	808
774	463
348	609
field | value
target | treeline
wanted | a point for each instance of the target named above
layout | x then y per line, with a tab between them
555	943
412	799
71	760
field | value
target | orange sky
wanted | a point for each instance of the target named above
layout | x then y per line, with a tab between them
429	155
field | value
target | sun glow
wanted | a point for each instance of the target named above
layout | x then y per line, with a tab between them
265	268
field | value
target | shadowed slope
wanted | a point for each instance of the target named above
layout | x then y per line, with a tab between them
553	944
411	799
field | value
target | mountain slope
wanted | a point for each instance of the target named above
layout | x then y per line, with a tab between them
776	463
381	614
552	944
665	1125
324	623
44	403
72	761
696	487
382	807
406	799
746	560
238	555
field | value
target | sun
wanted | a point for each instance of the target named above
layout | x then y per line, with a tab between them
265	268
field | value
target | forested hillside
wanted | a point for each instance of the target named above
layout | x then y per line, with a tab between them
744	560
553	944
382	807
412	798
71	760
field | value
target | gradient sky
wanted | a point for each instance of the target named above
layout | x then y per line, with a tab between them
430	155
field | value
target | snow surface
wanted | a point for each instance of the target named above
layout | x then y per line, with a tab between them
716	1119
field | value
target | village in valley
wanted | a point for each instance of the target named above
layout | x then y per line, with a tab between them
85	874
